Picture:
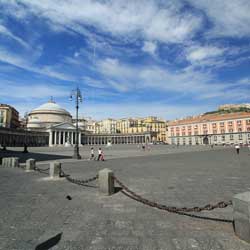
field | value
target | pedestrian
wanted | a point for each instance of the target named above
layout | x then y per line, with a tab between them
102	156
237	147
99	154
92	155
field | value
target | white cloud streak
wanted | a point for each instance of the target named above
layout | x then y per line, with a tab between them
146	18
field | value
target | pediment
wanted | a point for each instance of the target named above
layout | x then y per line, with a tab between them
63	126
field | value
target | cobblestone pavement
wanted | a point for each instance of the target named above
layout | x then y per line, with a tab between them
35	210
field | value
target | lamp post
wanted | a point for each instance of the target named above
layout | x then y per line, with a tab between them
78	98
25	146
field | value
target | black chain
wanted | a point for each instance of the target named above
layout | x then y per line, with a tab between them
172	209
77	181
41	170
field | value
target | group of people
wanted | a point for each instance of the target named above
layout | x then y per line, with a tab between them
100	154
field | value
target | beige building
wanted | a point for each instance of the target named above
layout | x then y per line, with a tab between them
142	125
9	116
107	126
215	128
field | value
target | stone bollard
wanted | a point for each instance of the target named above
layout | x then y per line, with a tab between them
241	215
7	162
55	169
106	181
14	162
30	164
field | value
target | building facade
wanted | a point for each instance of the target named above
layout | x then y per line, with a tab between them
9	117
216	129
107	126
143	125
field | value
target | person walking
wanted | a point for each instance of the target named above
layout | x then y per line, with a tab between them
99	154
92	155
237	147
102	156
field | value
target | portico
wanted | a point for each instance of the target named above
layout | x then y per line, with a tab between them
63	134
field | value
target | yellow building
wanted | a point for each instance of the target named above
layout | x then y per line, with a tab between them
9	116
142	125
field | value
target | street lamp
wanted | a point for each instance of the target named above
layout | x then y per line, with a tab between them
78	98
25	146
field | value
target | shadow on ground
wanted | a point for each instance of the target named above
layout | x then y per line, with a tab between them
37	156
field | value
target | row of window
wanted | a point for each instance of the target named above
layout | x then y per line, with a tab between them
214	125
215	138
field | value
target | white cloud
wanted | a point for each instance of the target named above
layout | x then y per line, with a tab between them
149	47
146	18
4	31
198	53
229	17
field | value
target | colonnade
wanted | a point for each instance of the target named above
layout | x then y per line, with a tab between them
61	137
115	139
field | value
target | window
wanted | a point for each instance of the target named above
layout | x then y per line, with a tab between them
190	140
248	129
204	125
189	133
231	137
214	131
231	130
214	125
248	135
230	123
184	141
239	122
240	136
215	138
222	131
239	129
196	132
223	137
222	124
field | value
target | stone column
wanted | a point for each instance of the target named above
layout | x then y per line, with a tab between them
54	137
64	137
50	138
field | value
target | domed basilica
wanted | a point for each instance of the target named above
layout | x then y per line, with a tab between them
47	115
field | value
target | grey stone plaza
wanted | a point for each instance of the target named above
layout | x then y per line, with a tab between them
42	213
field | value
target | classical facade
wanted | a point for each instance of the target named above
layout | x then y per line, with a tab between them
9	117
215	128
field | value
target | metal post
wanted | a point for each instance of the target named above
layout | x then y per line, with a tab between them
78	98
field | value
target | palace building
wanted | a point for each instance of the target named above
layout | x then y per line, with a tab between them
212	128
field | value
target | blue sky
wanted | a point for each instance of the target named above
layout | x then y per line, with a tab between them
129	58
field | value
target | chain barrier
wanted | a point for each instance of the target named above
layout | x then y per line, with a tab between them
181	211
77	181
41	170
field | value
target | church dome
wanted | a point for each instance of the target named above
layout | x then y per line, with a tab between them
46	115
51	106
